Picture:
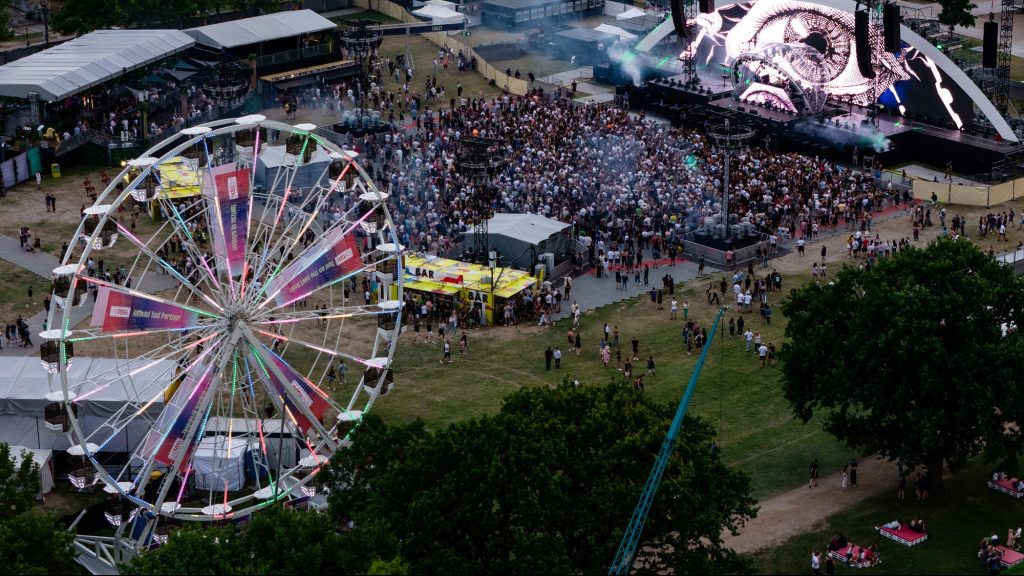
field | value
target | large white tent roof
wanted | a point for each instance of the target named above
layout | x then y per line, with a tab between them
438	13
260	29
95	58
529	228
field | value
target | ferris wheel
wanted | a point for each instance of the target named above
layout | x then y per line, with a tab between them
239	288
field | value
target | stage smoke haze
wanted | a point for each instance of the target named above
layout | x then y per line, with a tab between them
627	60
864	136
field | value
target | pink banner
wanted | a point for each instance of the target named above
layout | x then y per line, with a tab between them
324	263
296	390
116	310
230	199
194	399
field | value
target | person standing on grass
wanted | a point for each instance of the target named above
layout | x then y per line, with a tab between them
636	348
846	477
814	474
447	353
578	344
901	492
749	337
615	336
762	352
830	566
606	356
650	365
815	563
673	309
548	356
853	473
463	345
558	358
700	266
686	309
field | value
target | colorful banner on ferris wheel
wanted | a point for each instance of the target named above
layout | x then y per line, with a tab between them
116	310
295	389
190	401
229	206
325	262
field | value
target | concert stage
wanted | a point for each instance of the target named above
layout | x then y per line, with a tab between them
834	134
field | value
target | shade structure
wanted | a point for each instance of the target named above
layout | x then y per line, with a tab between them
260	29
84	62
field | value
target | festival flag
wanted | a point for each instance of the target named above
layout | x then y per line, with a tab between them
325	262
117	310
190	401
296	391
228	198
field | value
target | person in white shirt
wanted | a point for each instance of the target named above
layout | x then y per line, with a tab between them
762	353
749	336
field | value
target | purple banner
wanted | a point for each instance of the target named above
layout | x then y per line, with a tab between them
116	310
325	262
291	393
233	202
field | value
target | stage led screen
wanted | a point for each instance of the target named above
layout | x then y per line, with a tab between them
910	81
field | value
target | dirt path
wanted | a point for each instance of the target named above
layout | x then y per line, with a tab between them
804	509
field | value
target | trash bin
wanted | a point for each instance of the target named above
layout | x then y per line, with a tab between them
55	170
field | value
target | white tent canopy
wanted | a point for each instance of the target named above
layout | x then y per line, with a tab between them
631	13
41	458
102	386
69	68
439	14
609	29
260	29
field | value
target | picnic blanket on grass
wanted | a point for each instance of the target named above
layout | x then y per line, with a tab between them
854	550
1010	557
904	535
1007	486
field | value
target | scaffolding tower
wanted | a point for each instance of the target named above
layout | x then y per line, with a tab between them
1001	94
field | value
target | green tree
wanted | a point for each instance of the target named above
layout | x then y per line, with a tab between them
545	486
908	359
83	16
19	482
195	549
30	541
5	21
956	13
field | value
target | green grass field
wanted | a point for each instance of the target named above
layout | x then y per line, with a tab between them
743	401
14	299
956	522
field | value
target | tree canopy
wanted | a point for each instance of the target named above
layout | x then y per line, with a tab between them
82	16
545	486
915	358
277	541
30	541
956	13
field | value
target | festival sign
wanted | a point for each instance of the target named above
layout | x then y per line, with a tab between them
229	201
190	401
116	310
295	390
334	258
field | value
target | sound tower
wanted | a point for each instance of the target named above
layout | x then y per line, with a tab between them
862	37
707	6
891	22
679	18
989	52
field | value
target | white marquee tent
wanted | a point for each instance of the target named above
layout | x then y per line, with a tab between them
258	29
438	14
41	458
84	62
103	387
609	29
631	13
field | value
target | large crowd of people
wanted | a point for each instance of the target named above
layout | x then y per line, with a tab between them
625	182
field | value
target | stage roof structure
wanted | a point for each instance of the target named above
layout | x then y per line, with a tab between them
529	228
81	63
260	29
